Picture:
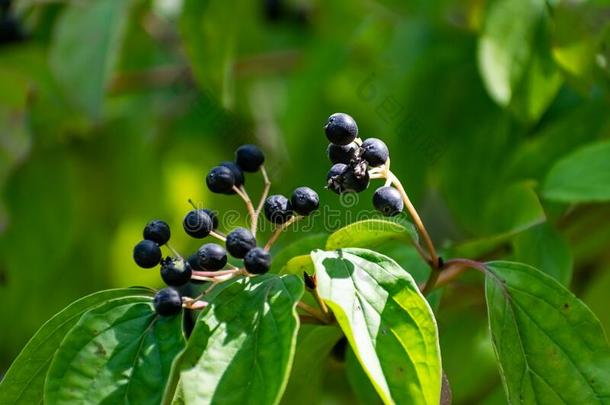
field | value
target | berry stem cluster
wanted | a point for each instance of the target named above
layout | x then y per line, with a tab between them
356	162
210	262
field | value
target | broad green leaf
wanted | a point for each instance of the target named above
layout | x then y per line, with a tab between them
85	47
576	126
359	381
546	249
118	352
314	344
582	176
302	246
550	346
24	381
370	233
298	265
210	37
505	45
242	347
387	321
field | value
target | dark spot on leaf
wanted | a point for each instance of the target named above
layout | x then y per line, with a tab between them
566	305
99	350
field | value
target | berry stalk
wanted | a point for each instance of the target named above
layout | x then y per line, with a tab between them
278	231
261	203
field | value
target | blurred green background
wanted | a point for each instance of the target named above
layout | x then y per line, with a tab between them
112	111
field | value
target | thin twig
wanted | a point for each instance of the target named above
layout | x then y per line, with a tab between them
278	231
311	311
307	319
321	304
434	262
244	196
174	251
218	236
261	202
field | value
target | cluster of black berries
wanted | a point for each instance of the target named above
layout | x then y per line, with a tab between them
226	178
10	29
352	159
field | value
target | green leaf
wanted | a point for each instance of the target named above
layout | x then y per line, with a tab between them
298	265
370	233
24	380
242	347
314	344
582	176
387	321
300	247
515	60
210	38
546	249
85	48
359	381
550	346
119	352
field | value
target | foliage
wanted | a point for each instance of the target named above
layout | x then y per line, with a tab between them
496	115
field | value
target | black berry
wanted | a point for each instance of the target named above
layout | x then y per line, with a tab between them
175	272
213	216
304	201
157	231
238	174
336	170
375	152
344	179
257	261
388	201
277	209
342	153
167	302
354	182
198	224
212	256
341	129
239	242
220	180
249	158
193	262
147	254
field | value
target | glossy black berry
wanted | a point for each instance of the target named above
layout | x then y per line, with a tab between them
213	216
238	174
336	170
167	302
334	178
277	209
175	272
342	153
212	256
341	129
147	254
388	201
198	224
193	261
354	182
239	242
220	180
249	158
304	201
257	261
157	231
375	152
345	179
